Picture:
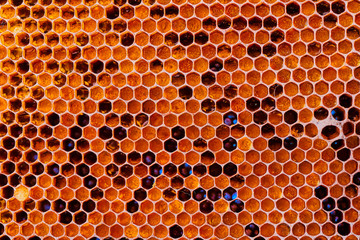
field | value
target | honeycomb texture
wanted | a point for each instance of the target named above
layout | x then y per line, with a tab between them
160	119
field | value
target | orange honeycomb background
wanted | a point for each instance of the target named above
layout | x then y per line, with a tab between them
160	119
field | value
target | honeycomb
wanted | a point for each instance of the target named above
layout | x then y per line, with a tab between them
161	119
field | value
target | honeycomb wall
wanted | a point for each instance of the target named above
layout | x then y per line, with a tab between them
130	119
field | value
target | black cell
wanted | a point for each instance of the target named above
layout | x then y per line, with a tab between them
321	192
33	238
216	65
239	23
170	170
176	231
170	145
293	9
96	194
184	194
330	20
351	191
132	206
147	182
270	23
207	157
140	194
338	7
75	132
206	206
171	11
120	133
119	158
16	130
157	12
74	205
276	90
105	132
338	114
14	180
80	218
336	216
237	206
59	205
83	120
230	144
323	8
105	106
185	170
44	205
268	104
353	114
30	180
199	170
171	39
343	203
277	36
230	118
155	170
8	143
199	194
321	113
185	93
356	178
223	105
97	66
252	230
275	143
209	24
344	229
177	182
68	144
53	169
53	119
3	180
112	12
126	170
208	105
201	38
254	50
127	39
343	154
8	167
230	194
328	204
230	169
337	144
20	217
290	143
178	132
208	78
290	116
260	117
255	23
214	194
224	23
7	192
65	217
90	158
118	182
169	194
186	38
330	132
253	104
37	168
215	170
90	182
82	170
